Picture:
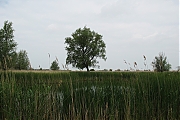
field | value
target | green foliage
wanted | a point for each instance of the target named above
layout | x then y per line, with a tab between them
7	45
22	61
89	95
54	65
160	63
84	47
92	70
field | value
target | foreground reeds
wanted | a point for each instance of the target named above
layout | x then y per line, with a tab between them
88	96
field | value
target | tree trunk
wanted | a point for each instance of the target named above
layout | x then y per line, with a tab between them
87	68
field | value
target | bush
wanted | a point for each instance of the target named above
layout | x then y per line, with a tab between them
54	65
92	70
160	63
118	70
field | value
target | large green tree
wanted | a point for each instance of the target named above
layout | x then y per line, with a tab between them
7	45
22	60
84	47
160	63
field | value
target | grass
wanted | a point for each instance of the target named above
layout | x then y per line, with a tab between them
89	95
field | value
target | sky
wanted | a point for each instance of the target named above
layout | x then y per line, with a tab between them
130	29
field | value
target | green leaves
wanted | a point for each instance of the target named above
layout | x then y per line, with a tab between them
22	61
7	45
160	63
84	47
54	65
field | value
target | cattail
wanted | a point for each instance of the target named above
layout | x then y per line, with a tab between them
57	59
66	66
49	61
62	65
126	64
144	57
135	64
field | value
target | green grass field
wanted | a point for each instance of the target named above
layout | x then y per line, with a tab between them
89	95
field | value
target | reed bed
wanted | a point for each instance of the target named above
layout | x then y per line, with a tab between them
89	95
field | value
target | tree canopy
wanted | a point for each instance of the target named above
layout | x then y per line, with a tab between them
22	61
160	63
7	45
54	65
84	47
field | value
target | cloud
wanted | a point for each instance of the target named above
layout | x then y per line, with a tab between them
52	27
3	3
151	36
155	12
130	28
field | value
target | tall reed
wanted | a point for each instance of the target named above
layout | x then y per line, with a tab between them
89	95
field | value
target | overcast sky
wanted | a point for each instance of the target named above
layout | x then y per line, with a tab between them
130	28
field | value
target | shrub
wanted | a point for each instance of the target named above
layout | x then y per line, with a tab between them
54	65
160	63
92	70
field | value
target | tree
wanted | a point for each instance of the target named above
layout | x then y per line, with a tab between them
7	45
84	47
160	63
54	65
22	60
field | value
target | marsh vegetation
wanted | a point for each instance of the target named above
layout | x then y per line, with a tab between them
89	95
